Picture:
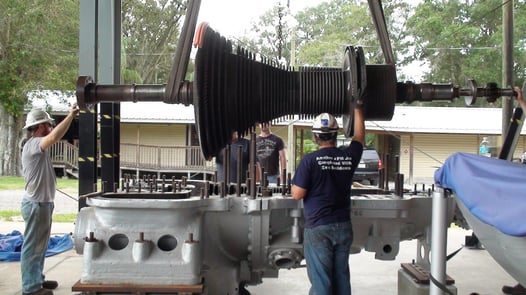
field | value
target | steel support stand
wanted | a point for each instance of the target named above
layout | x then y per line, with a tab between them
88	65
438	242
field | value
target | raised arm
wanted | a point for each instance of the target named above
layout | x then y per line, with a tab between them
359	125
520	98
58	132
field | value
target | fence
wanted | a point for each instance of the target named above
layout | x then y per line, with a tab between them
161	158
140	157
64	155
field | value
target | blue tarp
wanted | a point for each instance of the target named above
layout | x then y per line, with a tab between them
493	190
11	244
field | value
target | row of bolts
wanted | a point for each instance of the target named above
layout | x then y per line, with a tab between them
179	185
152	183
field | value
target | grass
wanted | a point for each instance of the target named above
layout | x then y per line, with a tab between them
17	183
14	215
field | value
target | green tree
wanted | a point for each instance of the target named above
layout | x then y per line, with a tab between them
321	33
462	40
324	31
270	35
519	42
150	31
458	39
38	50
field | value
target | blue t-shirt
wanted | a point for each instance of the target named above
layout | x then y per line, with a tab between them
327	174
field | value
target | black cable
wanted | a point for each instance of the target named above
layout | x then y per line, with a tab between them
62	192
437	283
440	285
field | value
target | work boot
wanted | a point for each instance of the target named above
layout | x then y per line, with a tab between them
40	292
50	285
516	290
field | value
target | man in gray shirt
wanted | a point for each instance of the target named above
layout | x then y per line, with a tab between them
39	195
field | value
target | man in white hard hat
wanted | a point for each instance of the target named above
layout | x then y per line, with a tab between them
39	196
323	181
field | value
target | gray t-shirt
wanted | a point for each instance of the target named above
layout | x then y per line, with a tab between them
38	172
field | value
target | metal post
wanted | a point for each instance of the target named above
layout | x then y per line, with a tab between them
252	166
226	164
239	169
507	61
109	53
88	44
386	164
438	242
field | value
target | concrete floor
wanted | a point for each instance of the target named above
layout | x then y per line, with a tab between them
472	270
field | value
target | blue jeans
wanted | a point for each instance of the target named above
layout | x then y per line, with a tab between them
37	216
327	254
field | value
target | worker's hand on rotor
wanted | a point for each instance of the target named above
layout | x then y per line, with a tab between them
74	110
520	98
519	93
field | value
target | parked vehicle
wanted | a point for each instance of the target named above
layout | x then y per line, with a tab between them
369	167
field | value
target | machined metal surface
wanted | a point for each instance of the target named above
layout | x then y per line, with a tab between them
256	89
223	242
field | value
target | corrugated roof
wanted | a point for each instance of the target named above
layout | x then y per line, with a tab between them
58	103
442	120
156	112
458	120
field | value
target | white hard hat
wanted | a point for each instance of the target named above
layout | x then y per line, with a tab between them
36	117
324	123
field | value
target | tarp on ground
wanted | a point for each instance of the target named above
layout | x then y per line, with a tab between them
11	245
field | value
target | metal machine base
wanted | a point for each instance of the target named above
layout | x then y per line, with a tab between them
414	280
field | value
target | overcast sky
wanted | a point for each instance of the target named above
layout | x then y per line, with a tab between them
234	17
231	18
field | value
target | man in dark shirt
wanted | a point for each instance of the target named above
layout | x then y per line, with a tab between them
323	181
271	153
236	144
